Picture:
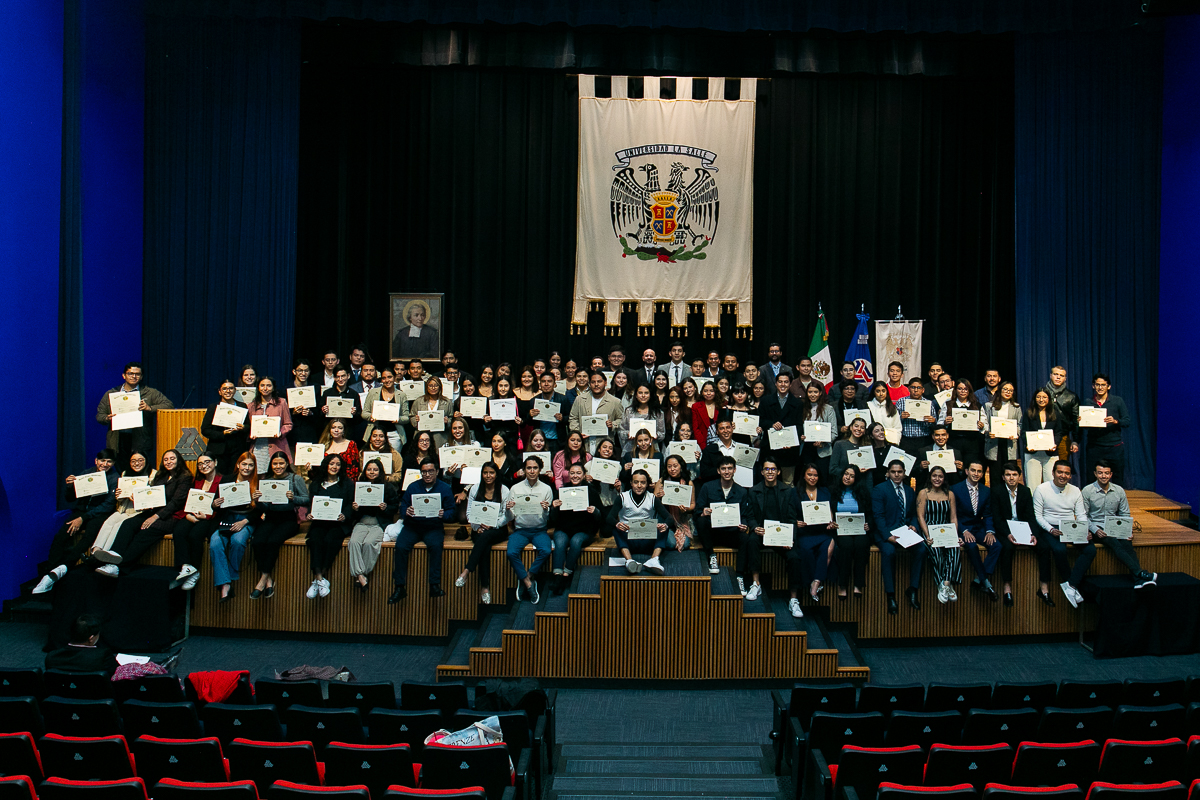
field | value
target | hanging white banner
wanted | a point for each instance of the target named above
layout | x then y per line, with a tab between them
898	340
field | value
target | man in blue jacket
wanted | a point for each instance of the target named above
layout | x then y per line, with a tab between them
895	506
973	501
417	528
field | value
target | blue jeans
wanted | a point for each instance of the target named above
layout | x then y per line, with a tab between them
516	543
226	553
574	543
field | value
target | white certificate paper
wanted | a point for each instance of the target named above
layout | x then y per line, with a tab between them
851	524
604	470
642	529
427	505
470	476
309	454
862	457
123	402
411	476
574	498
411	389
453	454
1092	417
943	536
1005	428
941	458
235	494
384	459
368	494
447	388
1073	531
818	432
150	497
641	423
676	494
1020	531
896	454
815	513
546	409
327	509
745	456
247	394
126	421
685	450
525	504
541	455
777	534
851	414
264	427
918	409
783	439
745	424
227	415
127	486
302	397
340	407
648	464
476	457
726	515
274	491
383	411
1039	441
1118	527
743	476
594	425
907	537
199	502
472	407
943	397
891	436
481	512
433	421
92	483
503	409
964	419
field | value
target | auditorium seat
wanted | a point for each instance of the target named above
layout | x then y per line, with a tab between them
167	720
1154	693
1124	761
19	756
199	760
1194	791
514	725
1056	764
895	791
800	703
950	765
958	696
154	688
886	699
1193	689
267	762
81	685
1150	722
1036	695
286	790
1192	763
923	728
1000	791
228	722
405	793
1089	694
22	682
19	714
1193	719
100	758
1170	790
172	789
241	694
75	717
443	697
1010	726
363	696
283	694
64	789
378	766
1074	724
863	769
17	787
400	726
324	725
442	767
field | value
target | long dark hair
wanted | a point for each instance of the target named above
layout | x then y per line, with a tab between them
322	472
822	402
972	400
181	471
479	490
887	400
860	492
1032	412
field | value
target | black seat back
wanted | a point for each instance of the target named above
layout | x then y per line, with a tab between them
805	698
1036	695
1150	722
153	688
19	756
363	696
864	768
488	766
17	787
1089	694
1010	726
165	720
1045	764
886	699
1005	792
64	789
73	717
829	732
444	697
19	714
977	765
1154	693
1075	724
82	685
85	759
267	762
286	790
958	696
199	760
21	682
400	726
172	789
376	766
283	694
1142	762
923	728
227	722
324	725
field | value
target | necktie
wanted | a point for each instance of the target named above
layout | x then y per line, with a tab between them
974	492
900	497
677	375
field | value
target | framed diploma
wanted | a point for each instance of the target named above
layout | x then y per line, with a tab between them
745	424
411	476
525	504
650	465
818	432
574	498
302	397
896	454
862	457
851	414
745	456
851	524
150	497
427	505
227	415
199	502
594	425
125	402
541	455
246	394
604	470
783	439
941	458
502	409
943	536
1118	527
546	409
93	483
473	407
383	411
265	427
815	513
481	512
642	424
309	454
726	515
384	459
127	421
340	407
1038	441
964	419
368	494
127	486
1092	417
1073	531
234	495
274	492
327	509
1004	428
1020	531
432	421
777	534
891	436
918	409
685	450
676	494
642	529
411	389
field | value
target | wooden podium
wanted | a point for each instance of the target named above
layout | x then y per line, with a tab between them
170	424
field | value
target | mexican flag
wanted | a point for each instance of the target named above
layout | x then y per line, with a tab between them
818	351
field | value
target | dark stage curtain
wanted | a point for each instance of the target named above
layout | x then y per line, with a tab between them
72	405
220	236
1088	129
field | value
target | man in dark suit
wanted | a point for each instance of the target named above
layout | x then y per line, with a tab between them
778	412
895	506
941	441
974	503
775	365
723	491
83	653
1014	502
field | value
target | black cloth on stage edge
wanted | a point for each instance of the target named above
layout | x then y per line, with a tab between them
1162	620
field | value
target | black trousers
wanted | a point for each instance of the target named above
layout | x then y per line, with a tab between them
270	534
324	543
481	554
131	541
1049	546
66	548
711	537
434	541
191	540
851	554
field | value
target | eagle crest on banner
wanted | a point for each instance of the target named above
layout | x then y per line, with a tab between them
674	223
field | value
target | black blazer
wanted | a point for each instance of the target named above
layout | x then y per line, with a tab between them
391	498
223	441
82	659
790	413
1002	510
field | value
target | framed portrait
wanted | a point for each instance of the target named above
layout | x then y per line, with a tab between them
417	326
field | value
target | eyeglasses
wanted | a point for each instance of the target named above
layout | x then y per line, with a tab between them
770	469
429	472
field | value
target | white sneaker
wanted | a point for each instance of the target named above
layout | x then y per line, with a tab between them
755	591
953	595
944	593
106	556
190	583
713	567
323	587
655	566
1070	592
187	572
109	570
794	607
742	585
460	581
47	583
633	566
313	590
486	598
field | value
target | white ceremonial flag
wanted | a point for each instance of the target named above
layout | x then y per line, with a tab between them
898	340
666	201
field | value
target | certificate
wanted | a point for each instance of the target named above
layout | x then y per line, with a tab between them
123	402
274	492
247	394
411	476
907	537
1004	428
1020	531
1073	531
851	524
964	419
235	494
546	410
411	389
326	508
384	459
604	470
851	414
302	397
92	483
427	504
265	427
473	407
891	436
685	450
608	375
447	388
526	504
642	529
340	407
433	421
943	397
384	411
1040	440
783	439
642	424
1118	527
815	513
150	497
818	432
470	476
1092	417
700	380
743	476
476	457
941	458
310	454
541	455
574	498
650	465
745	424
229	416
503	409
199	502
126	421
896	454
862	457
453	454
677	494
595	425
745	456
481	512
560	387
777	534
943	536
918	409
726	515
127	486
368	494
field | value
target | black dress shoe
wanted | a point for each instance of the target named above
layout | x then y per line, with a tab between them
1008	599
397	595
269	592
911	594
990	591
1045	598
435	590
893	606
257	593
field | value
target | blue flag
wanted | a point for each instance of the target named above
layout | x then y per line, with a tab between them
859	352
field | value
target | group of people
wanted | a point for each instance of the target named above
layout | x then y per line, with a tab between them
659	456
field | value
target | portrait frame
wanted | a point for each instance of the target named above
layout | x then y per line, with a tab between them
427	346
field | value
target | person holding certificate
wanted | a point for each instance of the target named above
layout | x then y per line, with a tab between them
531	518
224	443
850	494
894	506
739	407
1105	500
1053	502
505	459
280	522
638	509
325	536
420	448
850	397
573	453
771	500
964	403
266	403
688	449
337	442
644	408
488	517
386	395
575	526
998	450
817	409
577	386
1013	503
87	515
547	412
710	460
854	437
228	540
191	533
1107	443
432	401
778	411
535	444
917	418
509	428
606	450
814	529
306	416
597	402
1042	415
936	506
676	412
139	473
1066	405
366	535
677	473
880	447
726	492
883	410
973	505
644	449
348	411
377	445
123	441
704	413
424	526
140	532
